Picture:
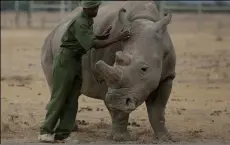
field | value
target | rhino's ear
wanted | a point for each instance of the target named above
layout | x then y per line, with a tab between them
122	18
161	25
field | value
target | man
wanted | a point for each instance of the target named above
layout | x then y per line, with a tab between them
67	78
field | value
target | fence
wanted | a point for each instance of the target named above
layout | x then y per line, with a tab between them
38	14
42	14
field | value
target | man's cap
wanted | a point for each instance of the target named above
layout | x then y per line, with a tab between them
90	4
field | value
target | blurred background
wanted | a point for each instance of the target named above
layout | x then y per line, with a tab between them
199	106
44	14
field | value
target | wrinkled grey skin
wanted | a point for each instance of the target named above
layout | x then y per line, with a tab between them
126	74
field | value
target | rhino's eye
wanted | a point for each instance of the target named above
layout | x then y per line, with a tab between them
144	69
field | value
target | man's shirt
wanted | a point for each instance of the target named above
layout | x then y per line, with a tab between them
79	36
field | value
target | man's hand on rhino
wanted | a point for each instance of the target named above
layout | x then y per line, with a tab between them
102	43
123	35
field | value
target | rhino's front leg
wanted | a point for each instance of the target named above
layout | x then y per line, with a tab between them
119	130
156	104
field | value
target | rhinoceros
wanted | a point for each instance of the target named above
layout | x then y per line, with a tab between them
128	73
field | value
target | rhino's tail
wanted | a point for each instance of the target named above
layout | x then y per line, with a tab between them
47	58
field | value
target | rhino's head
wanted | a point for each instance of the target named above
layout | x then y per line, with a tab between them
137	69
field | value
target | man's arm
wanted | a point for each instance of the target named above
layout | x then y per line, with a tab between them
88	40
104	43
102	37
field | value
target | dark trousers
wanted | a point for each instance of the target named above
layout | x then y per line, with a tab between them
63	105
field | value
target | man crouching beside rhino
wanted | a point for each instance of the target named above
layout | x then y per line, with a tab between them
136	65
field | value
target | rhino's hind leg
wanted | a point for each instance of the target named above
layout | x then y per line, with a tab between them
156	104
47	70
119	130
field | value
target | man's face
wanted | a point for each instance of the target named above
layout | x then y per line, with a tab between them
92	12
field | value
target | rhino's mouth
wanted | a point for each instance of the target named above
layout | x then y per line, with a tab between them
121	100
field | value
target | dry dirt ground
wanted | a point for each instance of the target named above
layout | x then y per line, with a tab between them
199	107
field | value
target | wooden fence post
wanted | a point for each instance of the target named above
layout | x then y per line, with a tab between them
199	16
29	14
17	13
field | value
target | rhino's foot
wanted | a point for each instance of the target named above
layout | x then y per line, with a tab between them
119	136
164	137
119	130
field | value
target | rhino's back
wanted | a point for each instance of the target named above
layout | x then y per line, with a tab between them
98	26
106	14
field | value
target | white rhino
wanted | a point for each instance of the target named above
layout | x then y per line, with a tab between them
126	74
